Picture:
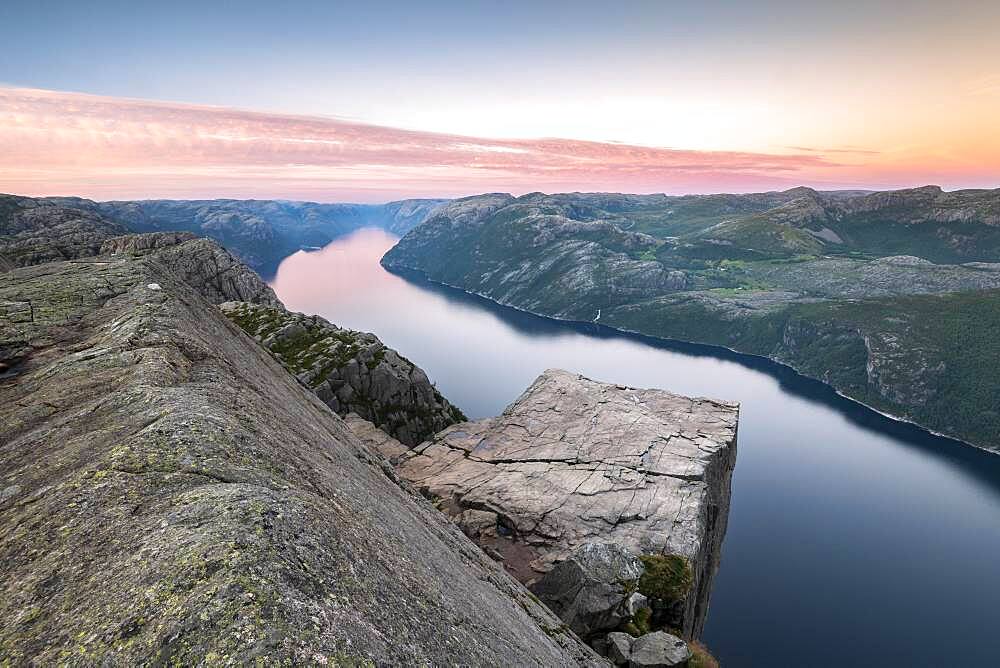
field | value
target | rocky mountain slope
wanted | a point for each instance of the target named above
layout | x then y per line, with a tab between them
946	227
889	297
170	494
351	372
259	232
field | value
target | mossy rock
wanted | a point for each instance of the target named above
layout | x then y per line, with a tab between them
667	577
638	624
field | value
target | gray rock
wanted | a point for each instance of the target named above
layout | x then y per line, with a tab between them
140	244
599	645
588	589
35	231
172	496
375	438
619	648
574	461
634	603
659	650
215	272
352	372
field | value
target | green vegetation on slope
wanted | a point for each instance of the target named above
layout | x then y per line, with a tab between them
837	285
935	356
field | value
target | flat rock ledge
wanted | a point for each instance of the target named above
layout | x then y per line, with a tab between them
574	461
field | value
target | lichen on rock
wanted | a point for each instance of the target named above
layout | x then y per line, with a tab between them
350	371
170	495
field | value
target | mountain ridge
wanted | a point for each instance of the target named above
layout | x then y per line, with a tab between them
259	232
173	494
905	319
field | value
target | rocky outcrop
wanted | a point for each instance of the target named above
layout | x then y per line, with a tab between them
351	372
658	650
140	244
170	495
35	231
923	205
574	461
589	589
216	273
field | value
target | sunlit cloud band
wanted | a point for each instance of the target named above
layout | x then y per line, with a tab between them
102	147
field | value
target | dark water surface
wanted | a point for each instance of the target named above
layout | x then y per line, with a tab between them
853	540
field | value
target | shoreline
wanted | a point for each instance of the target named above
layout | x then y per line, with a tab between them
736	353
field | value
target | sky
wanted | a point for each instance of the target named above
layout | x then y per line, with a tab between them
374	101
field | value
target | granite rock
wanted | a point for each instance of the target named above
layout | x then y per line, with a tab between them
35	231
350	371
619	647
574	461
589	588
659	650
170	495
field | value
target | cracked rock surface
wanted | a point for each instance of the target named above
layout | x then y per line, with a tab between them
575	460
170	495
217	273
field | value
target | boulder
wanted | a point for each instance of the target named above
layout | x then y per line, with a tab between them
659	650
618	647
634	603
588	590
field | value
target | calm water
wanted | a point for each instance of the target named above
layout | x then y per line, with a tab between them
853	540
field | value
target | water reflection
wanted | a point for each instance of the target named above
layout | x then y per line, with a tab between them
852	537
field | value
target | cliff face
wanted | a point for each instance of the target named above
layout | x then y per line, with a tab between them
351	372
170	494
909	336
574	461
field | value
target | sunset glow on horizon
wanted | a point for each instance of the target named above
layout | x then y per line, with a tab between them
299	104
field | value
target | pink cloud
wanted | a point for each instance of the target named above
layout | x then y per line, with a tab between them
67	143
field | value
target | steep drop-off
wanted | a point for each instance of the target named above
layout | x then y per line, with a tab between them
573	461
169	494
352	372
